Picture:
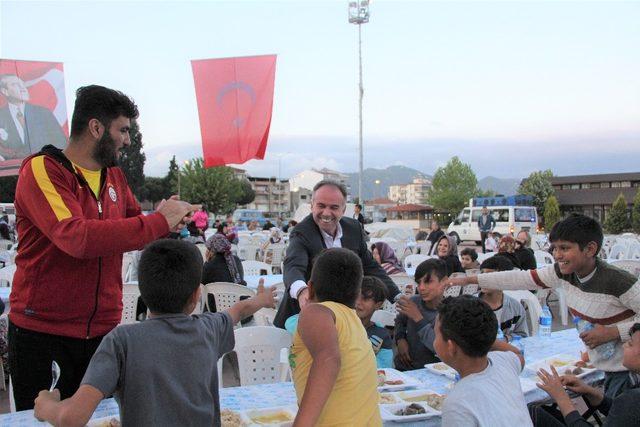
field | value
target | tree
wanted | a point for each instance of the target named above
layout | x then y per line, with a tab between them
538	185
8	188
247	195
216	187
551	212
617	220
635	213
154	189
172	176
453	185
133	159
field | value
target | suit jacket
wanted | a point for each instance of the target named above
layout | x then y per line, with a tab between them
42	128
305	242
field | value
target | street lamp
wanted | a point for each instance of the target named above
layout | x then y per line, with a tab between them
377	182
359	14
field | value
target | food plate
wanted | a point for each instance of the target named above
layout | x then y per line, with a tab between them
392	379
280	416
113	421
429	397
390	412
441	368
564	364
230	418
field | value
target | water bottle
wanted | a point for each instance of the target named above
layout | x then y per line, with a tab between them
517	343
500	335
605	351
545	322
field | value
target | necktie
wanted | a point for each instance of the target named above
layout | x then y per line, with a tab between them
20	118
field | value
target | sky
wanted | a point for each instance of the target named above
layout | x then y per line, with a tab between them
510	87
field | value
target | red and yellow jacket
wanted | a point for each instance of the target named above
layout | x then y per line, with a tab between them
69	265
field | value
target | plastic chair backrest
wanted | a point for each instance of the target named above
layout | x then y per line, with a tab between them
482	257
617	251
256	268
6	274
470	289
130	294
630	265
6	244
633	251
543	258
265	316
452	291
412	261
275	252
401	279
424	246
247	252
533	306
258	350
225	294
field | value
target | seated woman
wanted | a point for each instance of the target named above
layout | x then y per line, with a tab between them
221	265
506	249
228	232
523	251
447	250
386	257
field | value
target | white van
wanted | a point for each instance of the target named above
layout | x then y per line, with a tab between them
509	220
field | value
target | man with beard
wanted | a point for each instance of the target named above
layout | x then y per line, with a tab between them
76	216
325	227
24	128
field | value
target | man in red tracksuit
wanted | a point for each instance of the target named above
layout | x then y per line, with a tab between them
75	217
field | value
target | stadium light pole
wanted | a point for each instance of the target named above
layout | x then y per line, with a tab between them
359	14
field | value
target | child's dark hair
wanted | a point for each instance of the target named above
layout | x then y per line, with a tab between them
470	252
169	272
337	276
498	263
635	328
469	322
428	268
578	229
373	288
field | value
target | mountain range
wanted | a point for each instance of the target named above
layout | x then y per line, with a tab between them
398	175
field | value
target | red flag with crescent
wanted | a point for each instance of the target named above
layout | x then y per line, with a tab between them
235	99
33	110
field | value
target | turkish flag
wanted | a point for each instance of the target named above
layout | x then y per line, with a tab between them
45	110
235	99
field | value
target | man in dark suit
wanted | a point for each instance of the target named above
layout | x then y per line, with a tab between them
324	228
25	128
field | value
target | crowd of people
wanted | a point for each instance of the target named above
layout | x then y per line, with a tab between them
77	216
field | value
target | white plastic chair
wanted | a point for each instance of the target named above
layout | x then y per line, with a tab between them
130	295
285	368
225	294
452	291
401	279
543	258
248	252
412	261
482	257
470	289
6	275
618	251
6	244
258	349
534	309
274	253
563	307
256	268
423	247
630	265
633	251
265	316
203	250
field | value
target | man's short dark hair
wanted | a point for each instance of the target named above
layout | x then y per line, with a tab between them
469	322
101	103
427	269
470	252
337	276
169	272
359	206
578	229
373	288
497	263
333	183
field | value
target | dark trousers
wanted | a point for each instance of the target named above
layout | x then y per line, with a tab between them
483	236
30	357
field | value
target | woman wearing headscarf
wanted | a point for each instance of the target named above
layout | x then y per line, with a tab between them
507	248
221	265
447	250
523	251
386	257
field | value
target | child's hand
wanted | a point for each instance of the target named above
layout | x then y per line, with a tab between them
409	308
456	281
376	342
44	398
599	335
551	383
575	384
403	352
265	297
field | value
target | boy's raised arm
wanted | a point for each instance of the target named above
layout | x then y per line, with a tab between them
71	412
500	345
264	298
316	327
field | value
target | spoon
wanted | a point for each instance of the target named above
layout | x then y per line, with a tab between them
55	375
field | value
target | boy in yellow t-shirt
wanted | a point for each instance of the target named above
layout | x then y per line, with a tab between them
333	365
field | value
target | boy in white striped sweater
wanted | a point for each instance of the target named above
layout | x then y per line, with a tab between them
596	291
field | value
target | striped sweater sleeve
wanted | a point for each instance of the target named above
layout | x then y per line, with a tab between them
631	300
544	278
